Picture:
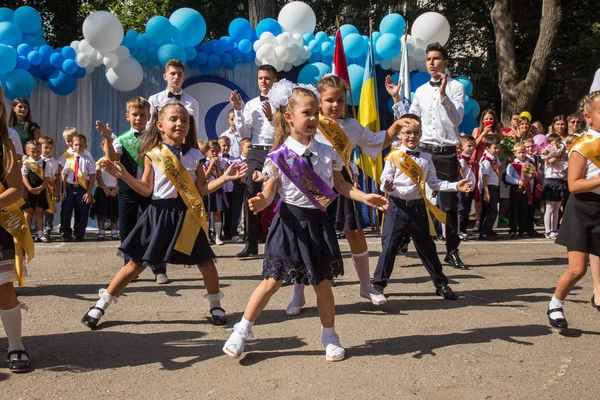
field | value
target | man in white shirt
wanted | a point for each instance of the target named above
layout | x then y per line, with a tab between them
441	106
255	122
233	135
175	77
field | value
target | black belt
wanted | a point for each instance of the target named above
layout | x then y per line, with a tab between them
408	203
73	185
434	148
259	147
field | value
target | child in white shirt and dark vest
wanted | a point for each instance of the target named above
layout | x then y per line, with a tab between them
469	169
36	177
489	186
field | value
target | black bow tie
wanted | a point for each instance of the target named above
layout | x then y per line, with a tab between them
263	98
225	156
413	153
436	83
176	96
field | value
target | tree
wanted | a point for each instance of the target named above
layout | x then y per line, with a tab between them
261	9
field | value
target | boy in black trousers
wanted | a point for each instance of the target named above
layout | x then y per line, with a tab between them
489	182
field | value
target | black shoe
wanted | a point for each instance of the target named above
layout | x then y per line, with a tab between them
446	293
488	238
248	251
494	234
597	307
67	239
378	288
217	319
91	322
79	238
560	323
19	364
453	259
533	234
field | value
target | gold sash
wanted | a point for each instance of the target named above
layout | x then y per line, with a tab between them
407	165
337	138
37	169
589	146
13	221
81	179
195	216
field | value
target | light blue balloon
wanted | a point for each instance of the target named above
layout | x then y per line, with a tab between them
190	53
6	14
375	37
268	25
240	28
245	46
46	51
68	52
356	74
27	19
214	61
388	46
34	57
307	37
191	24
419	79
327	48
131	34
394	24
467	125
24	49
320	37
62	84
10	34
467	84
142	57
143	41
314	46
159	30
19	82
201	58
170	52
69	66
475	109
312	73
57	59
468	105
347	29
362	60
327	59
8	55
354	45
23	63
315	57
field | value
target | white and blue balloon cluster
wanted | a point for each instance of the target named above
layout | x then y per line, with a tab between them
24	56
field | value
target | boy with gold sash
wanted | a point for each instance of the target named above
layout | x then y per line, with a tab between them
36	178
53	188
404	176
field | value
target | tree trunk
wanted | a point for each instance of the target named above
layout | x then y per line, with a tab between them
521	95
261	9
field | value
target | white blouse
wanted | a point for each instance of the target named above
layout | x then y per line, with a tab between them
370	142
163	188
324	159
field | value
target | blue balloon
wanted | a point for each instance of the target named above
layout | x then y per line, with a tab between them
327	48
34	71
467	125
246	58
46	51
236	54
190	53
315	46
419	79
205	69
192	64
307	38
240	28
34	57
362	60
152	51
80	73
19	82
312	73
206	47
159	30
394	24
201	58
214	61
374	38
23	63
10	34
467	84
356	74
354	45
46	68
347	29
34	39
8	55
468	105
268	25
218	47
57	59
227	43
6	14
70	66
320	37
62	84
388	46
24	49
142	57
190	24
143	41
152	62
327	59
169	52
245	46
475	109
27	19
132	34
227	60
68	52
315	57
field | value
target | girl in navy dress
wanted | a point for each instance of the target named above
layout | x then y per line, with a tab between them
580	229
168	148
301	246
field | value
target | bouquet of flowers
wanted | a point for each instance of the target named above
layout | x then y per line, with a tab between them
506	146
528	172
552	151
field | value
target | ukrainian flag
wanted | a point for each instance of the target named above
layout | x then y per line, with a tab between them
368	116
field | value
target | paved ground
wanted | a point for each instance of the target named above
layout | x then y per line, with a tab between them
156	342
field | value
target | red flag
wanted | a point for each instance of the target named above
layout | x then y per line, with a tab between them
339	66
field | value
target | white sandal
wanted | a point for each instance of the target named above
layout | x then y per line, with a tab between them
234	346
333	349
293	311
375	298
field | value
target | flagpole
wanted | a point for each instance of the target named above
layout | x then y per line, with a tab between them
377	213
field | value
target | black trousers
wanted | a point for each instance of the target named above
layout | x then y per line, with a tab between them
521	213
466	200
489	211
256	161
446	166
231	216
400	220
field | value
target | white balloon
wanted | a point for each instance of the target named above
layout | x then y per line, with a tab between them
429	28
284	39
84	47
110	60
265	51
297	39
257	45
305	52
422	67
287	67
297	17
75	45
126	76
82	60
96	59
298	62
282	53
292	54
122	52
268	38
89	69
419	54
103	31
99	56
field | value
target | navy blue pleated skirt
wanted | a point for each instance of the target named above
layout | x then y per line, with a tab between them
302	247
345	212
580	227
152	240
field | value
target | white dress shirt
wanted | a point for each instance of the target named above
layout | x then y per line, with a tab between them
118	146
61	160
234	140
485	168
324	159
404	187
14	137
439	118
591	170
87	167
53	163
252	123
467	172
40	162
108	180
558	169
371	143
161	99
163	188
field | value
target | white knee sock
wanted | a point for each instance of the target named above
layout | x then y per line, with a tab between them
361	263
11	320
298	297
244	328
103	303
218	230
556	303
214	300
551	216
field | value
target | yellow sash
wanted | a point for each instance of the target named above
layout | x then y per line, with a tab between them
407	165
39	171
81	179
337	138
13	221
195	216
589	146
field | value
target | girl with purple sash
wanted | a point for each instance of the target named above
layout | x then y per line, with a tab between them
302	246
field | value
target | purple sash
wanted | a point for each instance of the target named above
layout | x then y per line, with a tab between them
303	176
213	173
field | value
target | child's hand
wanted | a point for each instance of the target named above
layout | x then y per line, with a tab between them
114	168
57	199
87	198
114	192
376	201
104	130
258	203
64	195
388	186
464	185
521	183
258	176
106	191
486	195
236	171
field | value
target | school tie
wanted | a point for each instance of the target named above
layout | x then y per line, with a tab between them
175	96
307	154
76	170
